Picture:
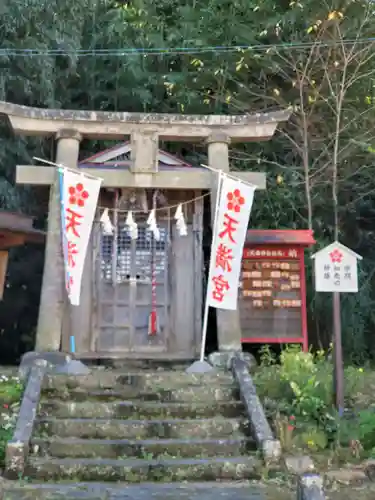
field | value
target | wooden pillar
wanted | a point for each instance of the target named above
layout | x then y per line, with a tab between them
3	270
228	322
53	296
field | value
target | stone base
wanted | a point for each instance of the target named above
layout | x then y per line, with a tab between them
72	367
223	359
310	487
200	367
271	450
298	465
15	459
51	360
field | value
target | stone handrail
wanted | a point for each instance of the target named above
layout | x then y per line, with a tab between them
262	431
17	448
310	485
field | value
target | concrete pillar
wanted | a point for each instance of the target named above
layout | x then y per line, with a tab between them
228	322
144	151
53	296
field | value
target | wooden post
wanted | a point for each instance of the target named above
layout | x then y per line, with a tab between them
3	271
338	375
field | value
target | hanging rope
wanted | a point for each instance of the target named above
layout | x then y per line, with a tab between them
160	209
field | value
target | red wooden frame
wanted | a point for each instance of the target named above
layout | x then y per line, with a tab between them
280	240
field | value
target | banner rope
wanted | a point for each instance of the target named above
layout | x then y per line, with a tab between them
160	209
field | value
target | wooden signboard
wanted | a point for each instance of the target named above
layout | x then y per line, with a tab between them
273	294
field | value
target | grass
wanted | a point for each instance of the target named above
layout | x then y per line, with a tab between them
11	390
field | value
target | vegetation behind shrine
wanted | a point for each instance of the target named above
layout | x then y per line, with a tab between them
317	58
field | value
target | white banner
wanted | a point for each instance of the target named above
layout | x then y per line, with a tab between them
236	200
79	197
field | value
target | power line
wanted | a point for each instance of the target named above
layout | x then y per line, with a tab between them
136	51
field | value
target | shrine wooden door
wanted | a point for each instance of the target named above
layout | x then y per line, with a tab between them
125	270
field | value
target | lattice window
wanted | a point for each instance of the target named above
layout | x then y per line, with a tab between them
133	258
106	248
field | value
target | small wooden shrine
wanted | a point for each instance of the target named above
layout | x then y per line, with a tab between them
117	284
273	290
120	273
15	230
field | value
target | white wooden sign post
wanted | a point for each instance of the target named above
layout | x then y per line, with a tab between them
335	270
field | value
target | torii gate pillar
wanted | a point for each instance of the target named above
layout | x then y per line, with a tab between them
228	322
53	296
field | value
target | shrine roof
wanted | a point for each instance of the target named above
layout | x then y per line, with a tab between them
280	237
118	156
336	245
14	224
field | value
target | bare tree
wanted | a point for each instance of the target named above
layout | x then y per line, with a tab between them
328	84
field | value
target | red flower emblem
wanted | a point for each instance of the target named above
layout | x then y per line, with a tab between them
69	283
78	195
235	201
6	406
336	256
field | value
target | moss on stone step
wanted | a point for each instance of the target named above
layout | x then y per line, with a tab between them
140	410
159	491
236	445
140	380
160	426
136	471
141	429
180	394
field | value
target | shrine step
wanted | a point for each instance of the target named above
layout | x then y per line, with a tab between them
146	491
147	448
141	429
136	471
140	410
137	427
109	379
198	393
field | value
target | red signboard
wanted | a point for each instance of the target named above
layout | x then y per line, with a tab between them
268	252
273	289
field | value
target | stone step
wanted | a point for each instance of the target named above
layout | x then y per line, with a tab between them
140	410
199	393
137	471
146	491
236	445
141	429
108	379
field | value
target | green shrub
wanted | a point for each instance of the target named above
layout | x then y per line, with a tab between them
11	390
301	385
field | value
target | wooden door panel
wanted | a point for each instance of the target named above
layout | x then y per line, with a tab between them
125	291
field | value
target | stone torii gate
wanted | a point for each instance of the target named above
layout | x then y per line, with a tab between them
69	127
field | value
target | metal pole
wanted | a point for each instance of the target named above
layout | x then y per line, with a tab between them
214	231
153	318
338	358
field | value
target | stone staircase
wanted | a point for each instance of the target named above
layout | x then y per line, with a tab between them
100	432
